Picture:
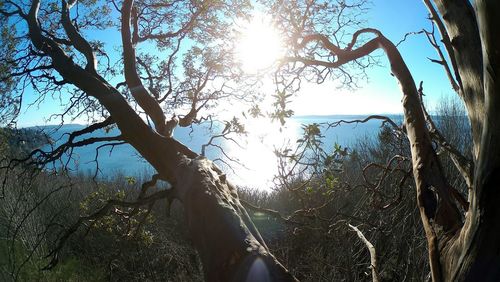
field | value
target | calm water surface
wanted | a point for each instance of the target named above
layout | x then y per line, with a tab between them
255	151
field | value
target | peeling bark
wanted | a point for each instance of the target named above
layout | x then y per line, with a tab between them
460	21
462	247
230	246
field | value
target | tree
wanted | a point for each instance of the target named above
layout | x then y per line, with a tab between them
462	234
56	57
53	54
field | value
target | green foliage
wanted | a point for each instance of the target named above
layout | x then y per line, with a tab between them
4	145
234	125
311	135
75	269
255	111
142	247
130	180
321	191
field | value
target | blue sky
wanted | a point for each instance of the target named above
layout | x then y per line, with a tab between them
379	95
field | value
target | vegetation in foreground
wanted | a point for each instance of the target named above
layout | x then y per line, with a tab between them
304	221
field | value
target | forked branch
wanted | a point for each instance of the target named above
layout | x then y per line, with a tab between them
78	41
445	38
141	95
464	165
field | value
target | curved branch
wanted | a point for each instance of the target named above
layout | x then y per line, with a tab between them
132	127
137	89
438	211
186	27
78	41
384	119
455	81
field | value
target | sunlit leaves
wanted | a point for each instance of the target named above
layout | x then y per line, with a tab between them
119	221
255	111
311	134
310	170
131	180
234	125
281	112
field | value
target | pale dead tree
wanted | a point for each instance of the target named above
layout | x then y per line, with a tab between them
54	55
371	249
462	234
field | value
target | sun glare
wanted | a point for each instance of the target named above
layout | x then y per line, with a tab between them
259	45
257	152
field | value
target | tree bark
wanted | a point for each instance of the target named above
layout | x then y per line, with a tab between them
230	246
462	247
461	25
478	258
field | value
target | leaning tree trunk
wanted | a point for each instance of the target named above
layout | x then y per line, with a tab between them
478	257
472	252
459	250
462	247
230	246
469	250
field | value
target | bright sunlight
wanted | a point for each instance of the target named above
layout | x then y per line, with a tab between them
259	45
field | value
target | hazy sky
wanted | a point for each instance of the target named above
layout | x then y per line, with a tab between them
379	95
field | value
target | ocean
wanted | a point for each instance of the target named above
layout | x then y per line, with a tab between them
249	162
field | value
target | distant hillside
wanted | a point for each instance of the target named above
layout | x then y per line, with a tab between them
20	142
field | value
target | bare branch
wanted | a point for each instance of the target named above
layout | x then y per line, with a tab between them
445	38
186	27
373	253
103	211
438	211
455	84
384	120
464	165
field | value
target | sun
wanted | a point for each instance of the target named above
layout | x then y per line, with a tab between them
259	44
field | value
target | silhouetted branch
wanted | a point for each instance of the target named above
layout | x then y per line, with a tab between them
463	164
103	211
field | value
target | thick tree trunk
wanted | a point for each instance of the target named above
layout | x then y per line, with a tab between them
462	247
458	250
477	257
468	251
230	247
